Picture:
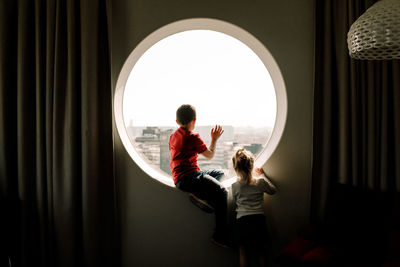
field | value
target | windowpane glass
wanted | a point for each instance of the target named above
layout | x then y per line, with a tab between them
218	74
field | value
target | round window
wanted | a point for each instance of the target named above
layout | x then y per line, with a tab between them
227	74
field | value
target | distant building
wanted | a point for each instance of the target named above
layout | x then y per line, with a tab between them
147	138
151	151
254	148
221	159
165	155
153	144
148	144
151	131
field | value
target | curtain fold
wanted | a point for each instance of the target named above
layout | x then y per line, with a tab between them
56	140
356	136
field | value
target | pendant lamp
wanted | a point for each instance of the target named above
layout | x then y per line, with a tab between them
375	35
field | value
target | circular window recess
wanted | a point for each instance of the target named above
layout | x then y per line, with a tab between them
221	69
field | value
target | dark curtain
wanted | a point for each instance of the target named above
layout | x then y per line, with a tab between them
56	145
356	137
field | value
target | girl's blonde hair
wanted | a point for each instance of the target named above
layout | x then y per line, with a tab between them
243	163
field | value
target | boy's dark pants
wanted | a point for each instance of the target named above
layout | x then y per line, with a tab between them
205	185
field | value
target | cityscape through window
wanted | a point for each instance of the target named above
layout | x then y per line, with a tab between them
220	76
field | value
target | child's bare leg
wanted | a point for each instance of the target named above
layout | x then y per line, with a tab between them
243	257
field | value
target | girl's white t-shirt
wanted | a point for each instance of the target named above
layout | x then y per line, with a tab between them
249	198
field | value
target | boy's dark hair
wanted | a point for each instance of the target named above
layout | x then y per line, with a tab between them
185	114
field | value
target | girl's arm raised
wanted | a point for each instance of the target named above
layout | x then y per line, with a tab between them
269	187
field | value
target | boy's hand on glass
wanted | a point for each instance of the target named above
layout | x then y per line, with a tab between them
216	132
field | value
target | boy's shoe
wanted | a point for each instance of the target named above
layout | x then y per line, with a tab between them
202	204
221	240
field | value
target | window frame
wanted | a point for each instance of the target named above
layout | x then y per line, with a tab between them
201	24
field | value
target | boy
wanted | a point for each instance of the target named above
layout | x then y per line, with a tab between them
204	186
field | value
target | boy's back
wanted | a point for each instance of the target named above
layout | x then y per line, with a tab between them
185	146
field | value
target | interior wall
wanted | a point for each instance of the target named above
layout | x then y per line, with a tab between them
160	227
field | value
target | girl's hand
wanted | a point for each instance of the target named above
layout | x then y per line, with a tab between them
259	171
216	132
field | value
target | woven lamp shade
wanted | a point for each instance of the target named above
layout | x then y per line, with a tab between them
375	35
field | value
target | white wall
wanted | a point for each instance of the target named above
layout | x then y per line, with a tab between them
160	227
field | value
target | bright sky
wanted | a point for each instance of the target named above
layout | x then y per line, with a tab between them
218	74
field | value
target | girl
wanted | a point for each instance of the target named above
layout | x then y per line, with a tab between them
248	195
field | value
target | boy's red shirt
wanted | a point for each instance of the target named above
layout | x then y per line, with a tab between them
184	146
